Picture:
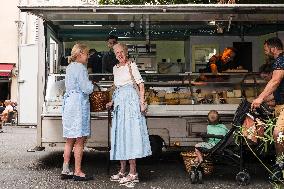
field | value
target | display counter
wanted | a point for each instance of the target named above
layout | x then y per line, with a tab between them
178	107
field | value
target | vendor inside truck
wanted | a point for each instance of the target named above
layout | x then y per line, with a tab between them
222	62
219	63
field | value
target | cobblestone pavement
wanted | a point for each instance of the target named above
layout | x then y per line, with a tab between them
22	169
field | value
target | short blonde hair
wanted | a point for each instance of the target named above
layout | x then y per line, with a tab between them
77	48
122	45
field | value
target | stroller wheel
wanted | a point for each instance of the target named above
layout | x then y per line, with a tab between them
243	178
193	177
200	181
277	174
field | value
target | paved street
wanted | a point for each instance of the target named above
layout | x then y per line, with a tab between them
22	169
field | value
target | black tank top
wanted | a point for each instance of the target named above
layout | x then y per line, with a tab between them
279	92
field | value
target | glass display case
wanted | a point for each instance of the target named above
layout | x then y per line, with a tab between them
177	94
190	94
55	89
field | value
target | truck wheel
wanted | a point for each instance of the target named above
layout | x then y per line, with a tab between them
156	145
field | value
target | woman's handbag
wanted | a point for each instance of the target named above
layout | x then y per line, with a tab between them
137	88
98	100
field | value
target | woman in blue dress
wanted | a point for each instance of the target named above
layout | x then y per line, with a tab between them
76	111
129	134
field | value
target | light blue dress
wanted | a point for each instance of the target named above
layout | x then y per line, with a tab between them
76	105
129	134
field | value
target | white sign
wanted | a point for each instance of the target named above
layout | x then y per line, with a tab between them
89	2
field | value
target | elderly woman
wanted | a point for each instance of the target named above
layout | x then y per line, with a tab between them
76	111
129	134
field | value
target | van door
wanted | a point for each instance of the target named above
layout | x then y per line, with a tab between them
28	70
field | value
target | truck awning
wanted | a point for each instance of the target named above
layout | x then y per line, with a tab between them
184	12
172	22
6	70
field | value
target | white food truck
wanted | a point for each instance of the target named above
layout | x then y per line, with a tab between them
172	122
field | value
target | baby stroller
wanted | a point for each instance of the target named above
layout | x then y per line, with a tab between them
222	150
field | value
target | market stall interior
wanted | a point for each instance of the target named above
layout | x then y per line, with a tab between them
170	44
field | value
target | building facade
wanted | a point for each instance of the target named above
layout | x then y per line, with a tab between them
9	19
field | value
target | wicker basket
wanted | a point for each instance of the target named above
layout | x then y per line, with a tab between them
189	156
98	100
208	167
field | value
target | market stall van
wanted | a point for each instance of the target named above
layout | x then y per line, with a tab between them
178	104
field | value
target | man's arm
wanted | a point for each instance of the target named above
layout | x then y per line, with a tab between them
212	64
271	86
213	68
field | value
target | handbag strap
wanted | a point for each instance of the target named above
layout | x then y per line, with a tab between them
99	88
132	78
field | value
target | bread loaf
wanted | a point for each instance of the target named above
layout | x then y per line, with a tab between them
154	100
172	101
169	96
237	93
185	101
184	95
230	94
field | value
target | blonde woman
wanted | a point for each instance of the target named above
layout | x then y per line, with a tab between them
76	111
129	134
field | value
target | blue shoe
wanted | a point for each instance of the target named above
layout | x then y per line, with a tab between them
85	178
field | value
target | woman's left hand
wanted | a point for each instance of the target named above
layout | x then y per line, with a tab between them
109	105
143	107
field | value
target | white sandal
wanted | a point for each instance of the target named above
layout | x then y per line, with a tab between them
129	184
117	177
129	178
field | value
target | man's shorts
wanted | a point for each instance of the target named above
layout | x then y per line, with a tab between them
279	113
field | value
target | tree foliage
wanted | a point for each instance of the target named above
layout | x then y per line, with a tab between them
167	2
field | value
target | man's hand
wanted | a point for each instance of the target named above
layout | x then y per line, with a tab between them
256	103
